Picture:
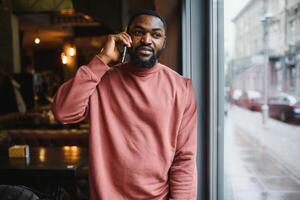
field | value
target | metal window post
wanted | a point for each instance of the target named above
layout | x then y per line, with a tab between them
196	62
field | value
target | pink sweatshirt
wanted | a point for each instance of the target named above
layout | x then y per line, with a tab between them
143	127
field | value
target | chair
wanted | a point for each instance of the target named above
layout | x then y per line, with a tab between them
12	192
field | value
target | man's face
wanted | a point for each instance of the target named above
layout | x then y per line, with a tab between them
148	40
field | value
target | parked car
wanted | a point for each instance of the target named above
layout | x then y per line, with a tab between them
256	104
285	108
250	99
234	96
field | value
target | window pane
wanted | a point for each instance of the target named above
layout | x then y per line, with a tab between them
262	104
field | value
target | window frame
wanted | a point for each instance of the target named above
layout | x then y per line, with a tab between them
202	61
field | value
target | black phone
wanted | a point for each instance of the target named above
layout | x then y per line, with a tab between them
124	53
125	48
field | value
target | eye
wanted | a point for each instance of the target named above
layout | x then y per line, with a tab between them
156	35
137	33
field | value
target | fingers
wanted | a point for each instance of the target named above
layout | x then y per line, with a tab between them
127	35
124	38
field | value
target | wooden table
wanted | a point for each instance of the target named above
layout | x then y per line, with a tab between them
45	166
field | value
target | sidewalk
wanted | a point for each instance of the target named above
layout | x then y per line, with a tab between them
254	166
282	139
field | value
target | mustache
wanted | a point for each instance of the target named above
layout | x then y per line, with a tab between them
145	47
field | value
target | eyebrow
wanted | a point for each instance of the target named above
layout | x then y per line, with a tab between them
154	29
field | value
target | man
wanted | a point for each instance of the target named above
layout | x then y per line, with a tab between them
11	99
142	114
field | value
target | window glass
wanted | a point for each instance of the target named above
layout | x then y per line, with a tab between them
262	105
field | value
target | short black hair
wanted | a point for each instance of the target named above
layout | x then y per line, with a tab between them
146	12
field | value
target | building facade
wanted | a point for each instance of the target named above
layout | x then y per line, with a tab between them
271	26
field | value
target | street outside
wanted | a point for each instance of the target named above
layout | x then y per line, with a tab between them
262	162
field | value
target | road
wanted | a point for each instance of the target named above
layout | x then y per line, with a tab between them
262	162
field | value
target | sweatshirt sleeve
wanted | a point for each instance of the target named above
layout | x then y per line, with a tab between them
183	171
71	101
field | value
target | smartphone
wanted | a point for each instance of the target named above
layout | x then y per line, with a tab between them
124	54
124	51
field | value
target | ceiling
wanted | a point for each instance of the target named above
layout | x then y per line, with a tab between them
55	21
54	29
35	6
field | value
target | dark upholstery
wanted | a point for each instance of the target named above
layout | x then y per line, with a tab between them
11	192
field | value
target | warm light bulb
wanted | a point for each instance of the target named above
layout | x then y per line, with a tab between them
64	58
66	148
42	153
72	51
37	40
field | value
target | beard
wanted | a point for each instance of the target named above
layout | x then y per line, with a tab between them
136	61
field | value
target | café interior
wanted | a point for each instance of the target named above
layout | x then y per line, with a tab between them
42	44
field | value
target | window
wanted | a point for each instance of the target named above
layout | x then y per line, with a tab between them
275	6
259	155
291	32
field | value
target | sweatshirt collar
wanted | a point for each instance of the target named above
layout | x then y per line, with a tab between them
142	71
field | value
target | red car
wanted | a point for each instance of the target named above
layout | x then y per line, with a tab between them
250	99
285	107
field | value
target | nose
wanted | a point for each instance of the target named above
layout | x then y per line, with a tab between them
146	39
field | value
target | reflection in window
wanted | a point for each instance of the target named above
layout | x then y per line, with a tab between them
291	32
261	160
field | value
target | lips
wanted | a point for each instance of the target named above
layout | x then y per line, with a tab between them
146	51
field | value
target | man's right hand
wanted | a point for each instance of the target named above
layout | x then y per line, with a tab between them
110	51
